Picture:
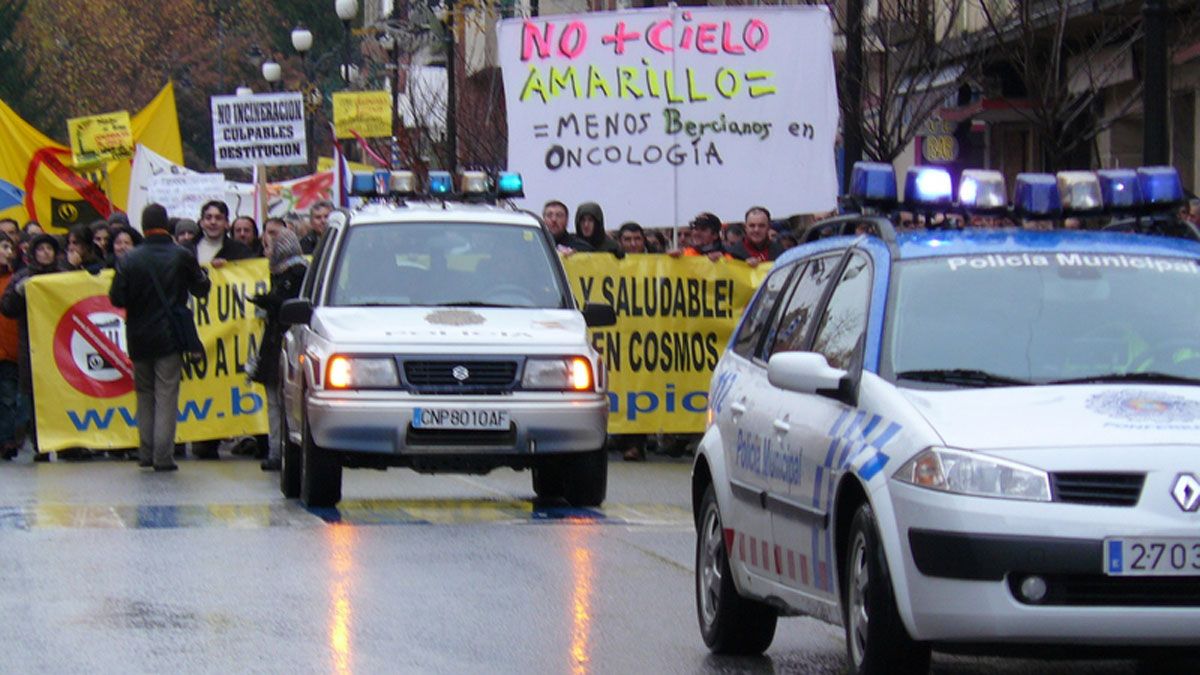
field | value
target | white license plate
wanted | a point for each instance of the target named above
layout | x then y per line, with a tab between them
1152	557
460	418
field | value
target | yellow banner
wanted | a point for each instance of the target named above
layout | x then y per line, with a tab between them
674	318
367	112
39	181
100	138
82	400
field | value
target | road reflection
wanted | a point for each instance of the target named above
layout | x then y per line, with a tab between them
582	577
341	556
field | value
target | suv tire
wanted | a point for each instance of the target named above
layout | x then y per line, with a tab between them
729	623
585	477
321	475
548	479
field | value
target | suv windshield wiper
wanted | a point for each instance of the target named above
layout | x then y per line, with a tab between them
964	376
1150	377
471	303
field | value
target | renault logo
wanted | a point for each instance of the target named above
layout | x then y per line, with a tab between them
460	373
1186	492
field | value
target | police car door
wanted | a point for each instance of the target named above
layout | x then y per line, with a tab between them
801	508
739	385
295	338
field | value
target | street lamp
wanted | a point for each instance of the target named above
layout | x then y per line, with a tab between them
272	72
302	42
244	91
347	10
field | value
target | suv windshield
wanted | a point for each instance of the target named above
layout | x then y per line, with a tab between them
1038	318
445	264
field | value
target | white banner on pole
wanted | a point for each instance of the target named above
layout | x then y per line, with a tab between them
183	195
263	129
662	113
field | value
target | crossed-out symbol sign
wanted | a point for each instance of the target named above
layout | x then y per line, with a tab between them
89	348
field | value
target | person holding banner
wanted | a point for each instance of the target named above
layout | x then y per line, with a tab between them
43	259
216	245
288	267
757	246
554	215
156	271
589	226
705	238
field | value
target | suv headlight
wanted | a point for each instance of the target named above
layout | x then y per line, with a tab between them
969	473
573	373
357	372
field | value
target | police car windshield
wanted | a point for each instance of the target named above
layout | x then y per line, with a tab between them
445	264
1041	318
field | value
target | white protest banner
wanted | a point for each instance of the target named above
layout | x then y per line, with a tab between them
265	129
661	113
183	195
146	165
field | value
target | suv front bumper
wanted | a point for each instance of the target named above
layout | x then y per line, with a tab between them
375	423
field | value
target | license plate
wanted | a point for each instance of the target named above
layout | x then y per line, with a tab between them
1152	557
460	418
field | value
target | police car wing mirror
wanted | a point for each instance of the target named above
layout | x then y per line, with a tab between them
294	312
809	373
599	315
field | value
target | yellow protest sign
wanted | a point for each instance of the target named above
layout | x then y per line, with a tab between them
83	390
369	113
100	138
674	318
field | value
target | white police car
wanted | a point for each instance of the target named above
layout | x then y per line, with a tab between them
961	440
441	336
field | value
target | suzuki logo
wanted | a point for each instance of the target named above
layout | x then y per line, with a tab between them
1186	492
460	373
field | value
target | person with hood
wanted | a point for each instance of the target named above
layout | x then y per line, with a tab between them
43	259
83	252
589	226
159	270
287	263
554	215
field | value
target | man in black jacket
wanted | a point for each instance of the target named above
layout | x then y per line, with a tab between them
153	347
216	245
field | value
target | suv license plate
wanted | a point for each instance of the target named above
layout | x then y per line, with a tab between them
460	418
1152	557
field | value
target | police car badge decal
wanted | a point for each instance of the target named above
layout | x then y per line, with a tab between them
1144	406
454	317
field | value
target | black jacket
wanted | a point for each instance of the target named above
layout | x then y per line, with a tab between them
232	249
284	286
599	241
147	331
13	305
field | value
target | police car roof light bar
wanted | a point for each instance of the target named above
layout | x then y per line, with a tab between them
1035	195
1120	189
1160	186
873	184
402	183
927	187
1080	192
441	183
362	183
982	191
509	185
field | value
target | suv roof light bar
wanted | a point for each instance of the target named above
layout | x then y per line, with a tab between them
1035	195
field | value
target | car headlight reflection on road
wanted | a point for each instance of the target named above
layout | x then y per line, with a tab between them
351	372
969	473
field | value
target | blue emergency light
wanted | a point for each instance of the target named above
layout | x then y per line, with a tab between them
1160	185
927	186
1036	196
873	184
362	183
1119	189
982	190
1080	191
509	184
440	183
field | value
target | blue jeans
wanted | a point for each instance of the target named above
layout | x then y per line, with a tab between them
13	411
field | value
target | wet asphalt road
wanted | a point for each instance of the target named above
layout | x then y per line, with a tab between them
105	568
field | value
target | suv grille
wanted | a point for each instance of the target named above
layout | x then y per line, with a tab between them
1103	489
480	376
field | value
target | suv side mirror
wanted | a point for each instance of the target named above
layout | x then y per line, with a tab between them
295	311
810	373
598	315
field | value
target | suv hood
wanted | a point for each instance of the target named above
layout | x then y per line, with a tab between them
1061	416
449	326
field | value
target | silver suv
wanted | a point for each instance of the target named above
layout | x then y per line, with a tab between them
441	337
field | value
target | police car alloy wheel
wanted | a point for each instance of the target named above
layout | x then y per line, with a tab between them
729	623
876	640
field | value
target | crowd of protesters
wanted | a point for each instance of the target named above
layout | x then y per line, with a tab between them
27	251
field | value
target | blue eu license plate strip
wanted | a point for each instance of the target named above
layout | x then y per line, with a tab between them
1116	558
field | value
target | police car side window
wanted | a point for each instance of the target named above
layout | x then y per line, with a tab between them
797	317
758	316
845	318
316	268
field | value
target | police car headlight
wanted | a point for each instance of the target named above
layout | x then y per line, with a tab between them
569	374
351	372
969	473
